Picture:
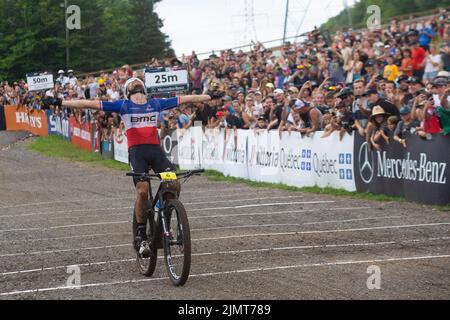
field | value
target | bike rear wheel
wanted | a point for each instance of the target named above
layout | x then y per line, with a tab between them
146	266
177	243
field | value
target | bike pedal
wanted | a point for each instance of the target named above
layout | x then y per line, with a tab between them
144	249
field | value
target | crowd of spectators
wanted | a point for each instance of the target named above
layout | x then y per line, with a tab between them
377	83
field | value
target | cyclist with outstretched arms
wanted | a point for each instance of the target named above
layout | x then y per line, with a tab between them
140	116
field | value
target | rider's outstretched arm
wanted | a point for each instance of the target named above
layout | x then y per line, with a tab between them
194	98
82	104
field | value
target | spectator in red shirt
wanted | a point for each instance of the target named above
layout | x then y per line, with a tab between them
406	67
418	60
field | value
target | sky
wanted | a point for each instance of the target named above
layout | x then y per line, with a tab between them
206	25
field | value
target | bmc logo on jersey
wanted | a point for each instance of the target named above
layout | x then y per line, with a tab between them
151	118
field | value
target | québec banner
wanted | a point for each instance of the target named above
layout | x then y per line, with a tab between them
266	157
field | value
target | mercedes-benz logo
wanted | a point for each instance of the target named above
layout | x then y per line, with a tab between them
365	164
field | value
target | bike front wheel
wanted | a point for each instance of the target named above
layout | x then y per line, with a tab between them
177	243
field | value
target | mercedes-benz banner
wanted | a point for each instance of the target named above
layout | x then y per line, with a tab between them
418	172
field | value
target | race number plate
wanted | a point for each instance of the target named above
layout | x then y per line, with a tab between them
168	176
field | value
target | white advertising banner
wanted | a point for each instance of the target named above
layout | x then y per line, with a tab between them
265	156
235	156
213	146
263	148
120	146
190	148
315	161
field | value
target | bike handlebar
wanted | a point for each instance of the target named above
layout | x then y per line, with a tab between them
179	174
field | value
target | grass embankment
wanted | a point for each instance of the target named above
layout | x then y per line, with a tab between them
57	147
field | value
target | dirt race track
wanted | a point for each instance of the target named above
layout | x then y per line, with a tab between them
248	243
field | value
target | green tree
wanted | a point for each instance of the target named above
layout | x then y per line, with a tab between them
148	40
113	32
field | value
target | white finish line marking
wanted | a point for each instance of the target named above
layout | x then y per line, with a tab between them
310	265
235	236
275	212
68	237
294	224
265	205
62	211
124	198
324	246
322	231
190	218
240	200
66	226
61	201
129	207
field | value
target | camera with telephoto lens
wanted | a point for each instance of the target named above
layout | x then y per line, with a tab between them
216	94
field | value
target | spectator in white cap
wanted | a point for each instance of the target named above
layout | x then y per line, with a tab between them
269	88
277	113
259	108
72	80
62	79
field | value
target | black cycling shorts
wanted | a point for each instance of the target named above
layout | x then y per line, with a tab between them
144	157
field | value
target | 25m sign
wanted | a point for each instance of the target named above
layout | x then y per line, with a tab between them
168	81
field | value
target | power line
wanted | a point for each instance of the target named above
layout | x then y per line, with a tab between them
303	18
285	20
250	26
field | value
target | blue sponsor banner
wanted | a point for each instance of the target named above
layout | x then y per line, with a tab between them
58	124
51	120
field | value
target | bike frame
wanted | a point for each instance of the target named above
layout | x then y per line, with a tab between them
160	218
162	191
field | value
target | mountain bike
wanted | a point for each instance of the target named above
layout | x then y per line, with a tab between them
167	228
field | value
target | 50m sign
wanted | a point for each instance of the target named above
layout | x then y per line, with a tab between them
39	81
